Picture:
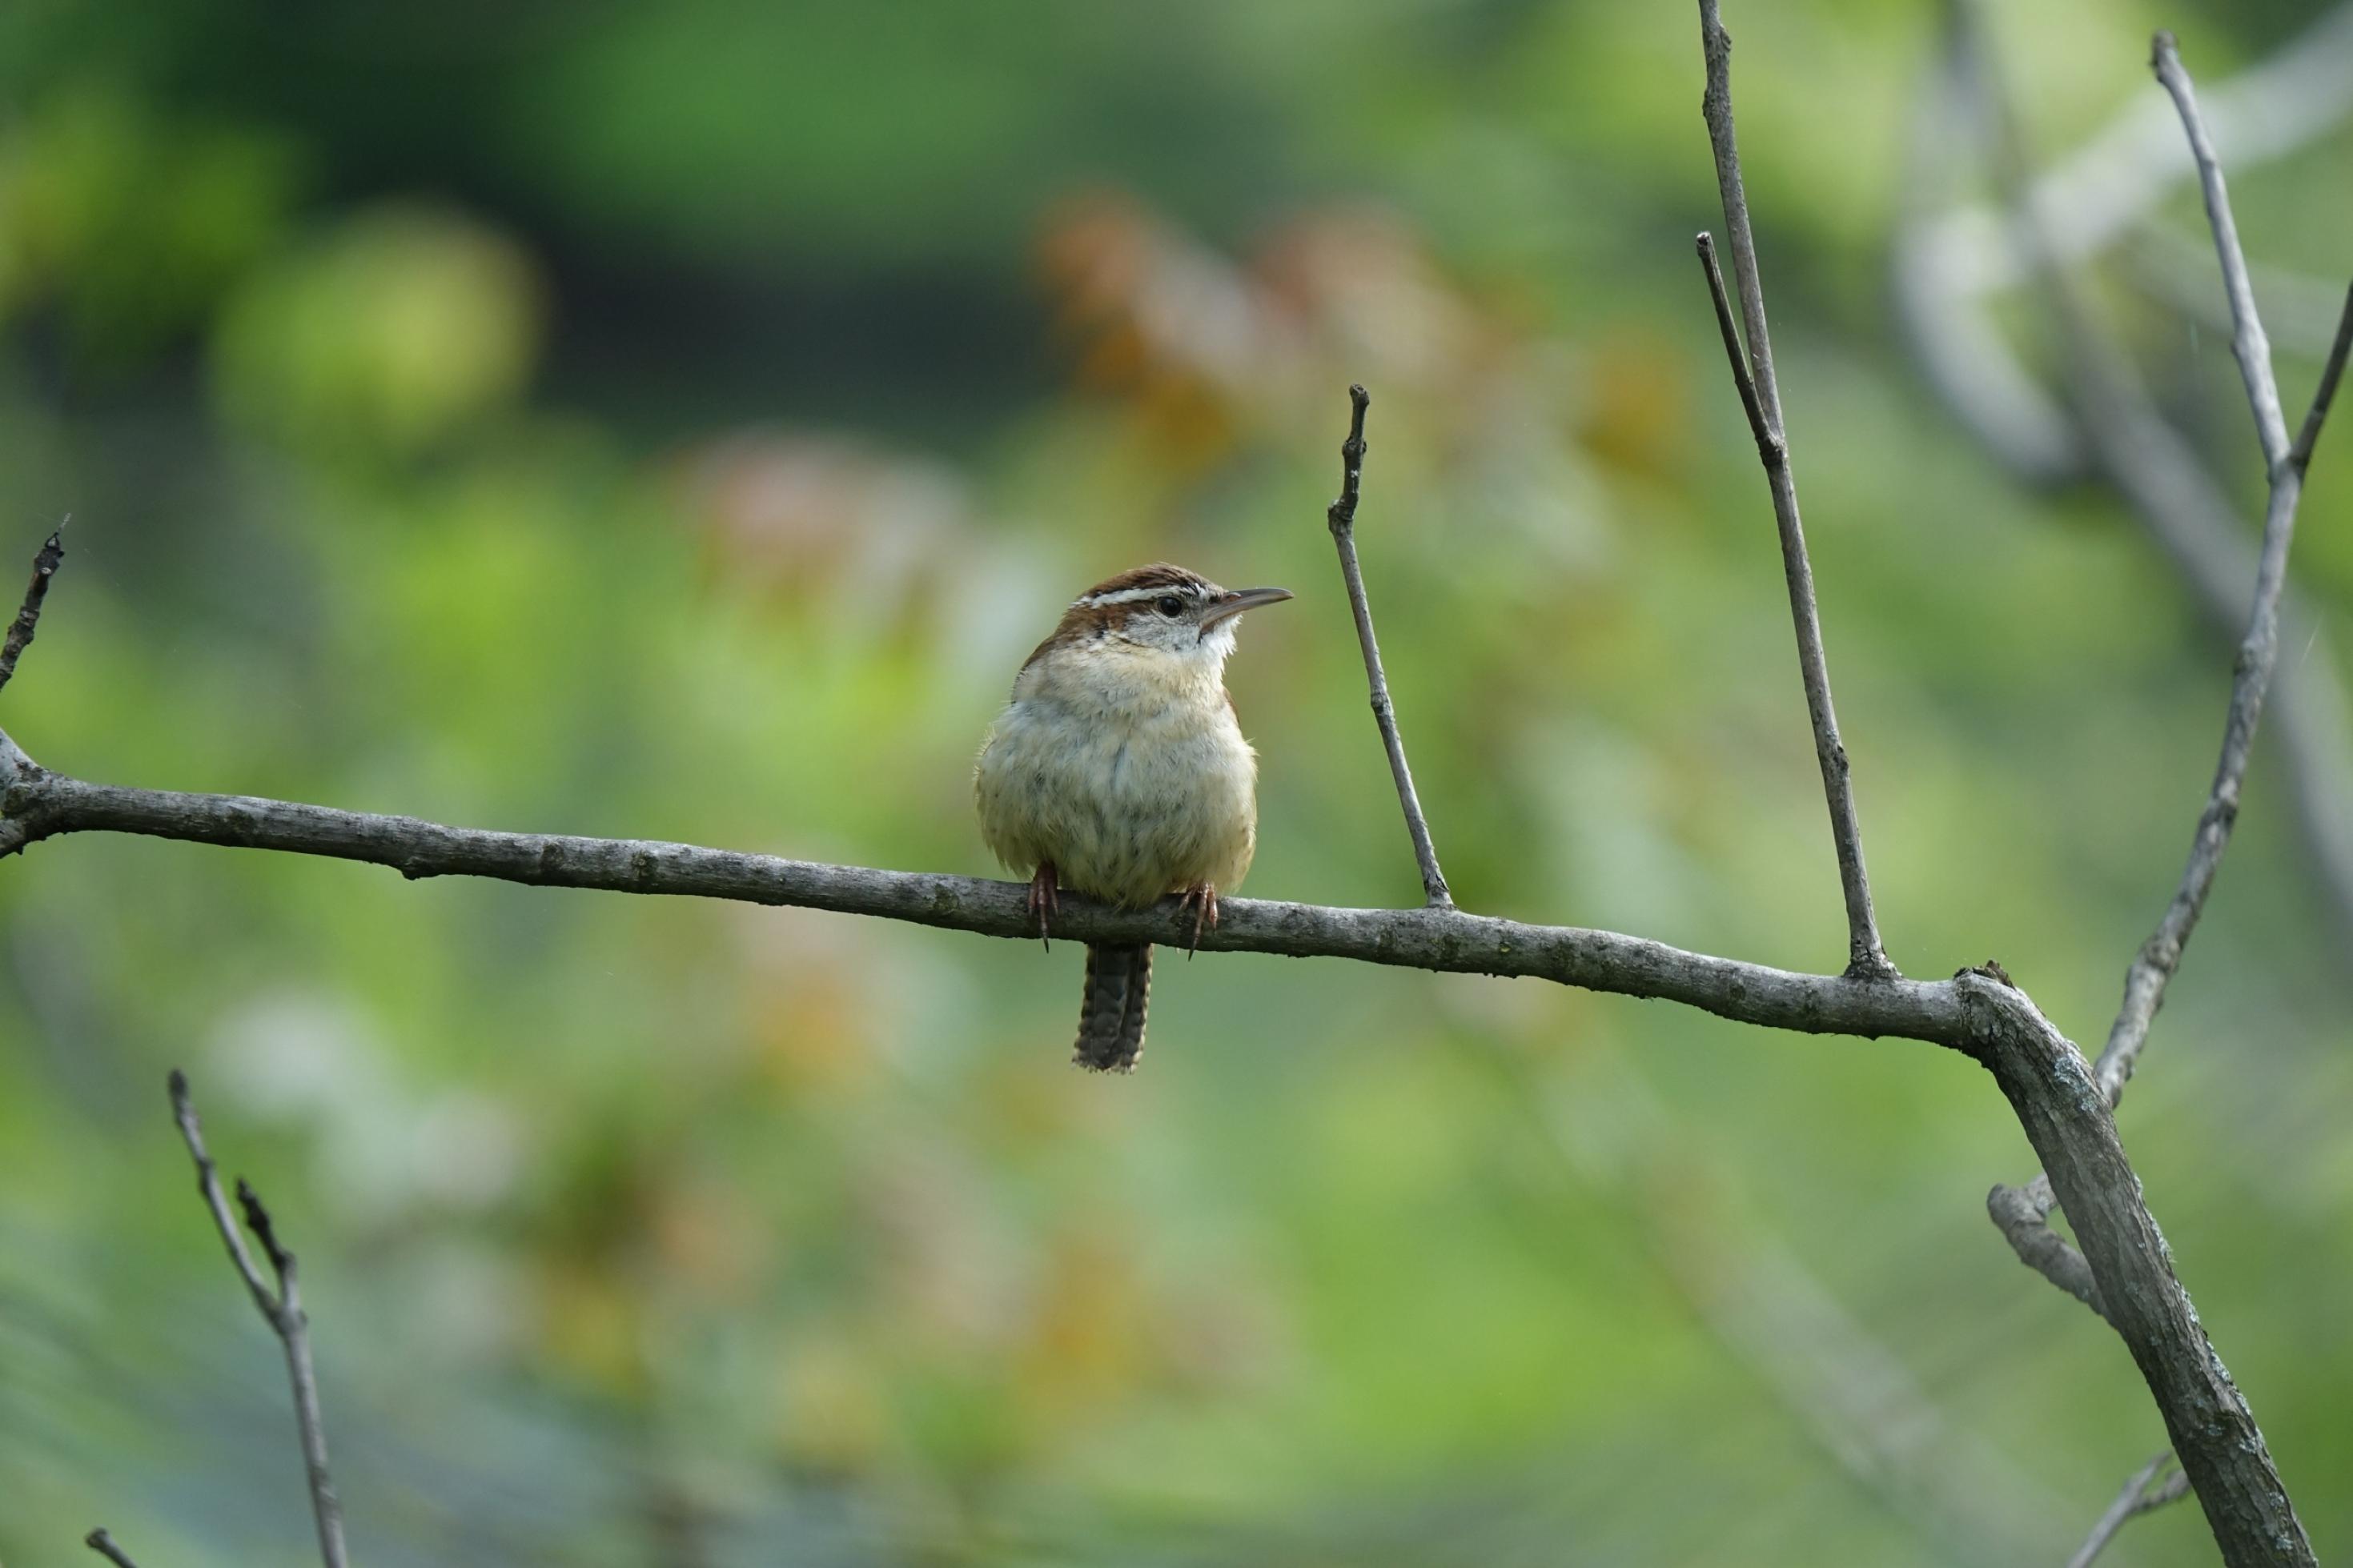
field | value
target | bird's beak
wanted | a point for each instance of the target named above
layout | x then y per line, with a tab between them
1241	599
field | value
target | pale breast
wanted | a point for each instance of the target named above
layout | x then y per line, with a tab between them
1133	788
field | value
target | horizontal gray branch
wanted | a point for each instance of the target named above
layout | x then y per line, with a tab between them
42	804
2040	1072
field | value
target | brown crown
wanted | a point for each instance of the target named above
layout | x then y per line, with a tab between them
1159	575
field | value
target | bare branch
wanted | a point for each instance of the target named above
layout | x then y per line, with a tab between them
2038	1071
2248	344
265	1230
2142	1494
45	805
20	631
183	1112
2153	968
281	1308
1768	443
2300	454
2023	1214
2072	1131
98	1541
2191	518
1865	956
1342	517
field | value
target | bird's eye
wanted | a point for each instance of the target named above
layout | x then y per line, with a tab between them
1169	604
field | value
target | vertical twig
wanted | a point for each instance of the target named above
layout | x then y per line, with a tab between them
2142	1494
1866	958
1342	517
20	631
2249	345
280	1307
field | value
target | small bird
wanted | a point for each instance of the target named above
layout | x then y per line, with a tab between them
1117	770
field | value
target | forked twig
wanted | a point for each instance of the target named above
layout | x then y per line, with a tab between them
1769	440
2142	1494
2152	968
1761	397
2249	345
1342	517
280	1307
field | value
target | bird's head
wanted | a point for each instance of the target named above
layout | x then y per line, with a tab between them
1163	608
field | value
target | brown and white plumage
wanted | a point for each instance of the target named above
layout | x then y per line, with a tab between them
1117	770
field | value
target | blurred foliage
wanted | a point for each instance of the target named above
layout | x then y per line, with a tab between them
679	421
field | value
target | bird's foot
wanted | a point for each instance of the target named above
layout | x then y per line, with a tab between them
1202	900
1045	901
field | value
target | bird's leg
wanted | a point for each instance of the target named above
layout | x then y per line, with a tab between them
1202	900
1045	900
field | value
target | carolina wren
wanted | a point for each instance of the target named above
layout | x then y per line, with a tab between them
1117	770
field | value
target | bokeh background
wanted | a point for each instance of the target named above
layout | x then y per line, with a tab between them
678	420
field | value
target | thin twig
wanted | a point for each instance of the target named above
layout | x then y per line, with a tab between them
2249	346
183	1112
1768	442
2160	955
2300	455
98	1541
20	631
2142	1494
1865	956
1342	517
280	1307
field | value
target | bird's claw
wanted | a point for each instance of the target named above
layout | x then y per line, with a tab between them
1045	901
1202	900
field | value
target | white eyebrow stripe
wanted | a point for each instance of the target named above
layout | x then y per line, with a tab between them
1130	595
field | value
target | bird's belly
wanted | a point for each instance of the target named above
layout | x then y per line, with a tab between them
1125	811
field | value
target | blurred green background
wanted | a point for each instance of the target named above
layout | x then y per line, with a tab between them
679	420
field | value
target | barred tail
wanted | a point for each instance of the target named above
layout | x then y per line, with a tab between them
1110	1012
